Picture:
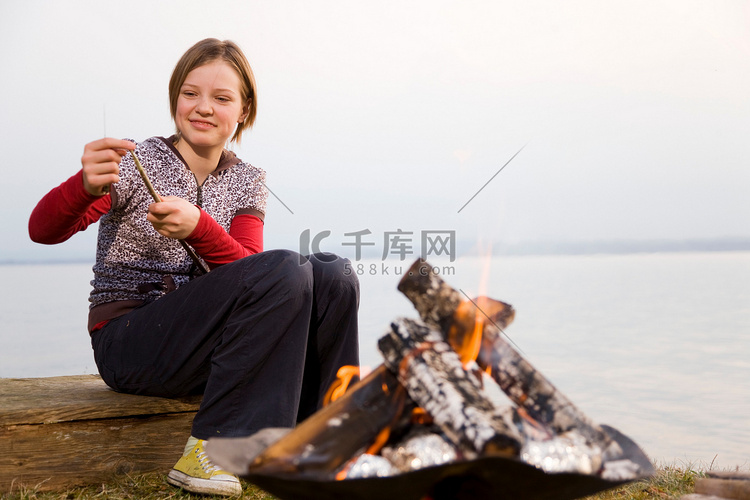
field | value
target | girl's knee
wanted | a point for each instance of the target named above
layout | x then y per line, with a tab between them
284	267
336	271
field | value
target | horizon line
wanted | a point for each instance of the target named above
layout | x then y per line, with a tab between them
528	247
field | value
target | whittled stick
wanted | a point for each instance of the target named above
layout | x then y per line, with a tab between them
145	178
191	253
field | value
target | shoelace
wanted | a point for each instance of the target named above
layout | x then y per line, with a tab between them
205	462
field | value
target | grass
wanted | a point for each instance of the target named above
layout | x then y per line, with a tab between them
151	486
669	482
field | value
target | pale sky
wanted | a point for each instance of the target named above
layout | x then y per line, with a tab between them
392	115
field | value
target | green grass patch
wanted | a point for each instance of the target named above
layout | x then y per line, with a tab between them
669	482
141	487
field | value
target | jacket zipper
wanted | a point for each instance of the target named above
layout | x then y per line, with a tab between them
199	195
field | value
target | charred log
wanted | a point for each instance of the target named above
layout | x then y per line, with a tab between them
326	441
435	300
435	379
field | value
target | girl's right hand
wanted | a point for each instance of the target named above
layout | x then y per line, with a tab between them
101	164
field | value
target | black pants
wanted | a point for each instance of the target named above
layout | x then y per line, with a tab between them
262	338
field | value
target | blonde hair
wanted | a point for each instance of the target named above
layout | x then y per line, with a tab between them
207	51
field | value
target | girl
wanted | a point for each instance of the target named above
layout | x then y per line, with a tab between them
262	334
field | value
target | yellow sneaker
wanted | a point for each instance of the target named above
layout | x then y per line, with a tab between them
194	472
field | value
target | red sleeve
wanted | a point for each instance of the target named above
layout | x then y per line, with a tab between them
65	210
217	247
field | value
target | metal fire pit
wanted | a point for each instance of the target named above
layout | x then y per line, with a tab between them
483	478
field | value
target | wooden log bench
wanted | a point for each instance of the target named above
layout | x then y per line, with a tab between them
60	432
721	485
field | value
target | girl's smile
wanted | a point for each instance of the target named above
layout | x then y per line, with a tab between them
209	107
202	124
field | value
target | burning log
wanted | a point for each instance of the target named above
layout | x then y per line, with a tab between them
315	448
441	306
434	377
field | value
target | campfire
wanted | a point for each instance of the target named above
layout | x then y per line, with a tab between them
431	423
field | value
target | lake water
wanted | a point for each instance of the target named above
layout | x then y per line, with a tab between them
656	345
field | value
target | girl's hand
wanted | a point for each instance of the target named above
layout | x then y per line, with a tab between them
101	164
174	217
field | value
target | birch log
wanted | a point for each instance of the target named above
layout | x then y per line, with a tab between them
435	379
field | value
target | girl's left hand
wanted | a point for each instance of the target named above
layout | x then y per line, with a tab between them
174	217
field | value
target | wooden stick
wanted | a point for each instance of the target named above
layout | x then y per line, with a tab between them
191	253
145	178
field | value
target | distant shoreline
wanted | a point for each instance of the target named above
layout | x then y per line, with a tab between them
622	246
466	248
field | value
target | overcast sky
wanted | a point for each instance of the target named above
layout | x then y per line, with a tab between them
633	116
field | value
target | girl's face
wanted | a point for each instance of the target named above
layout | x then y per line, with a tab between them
210	105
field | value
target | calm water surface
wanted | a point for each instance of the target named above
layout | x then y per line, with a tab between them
656	345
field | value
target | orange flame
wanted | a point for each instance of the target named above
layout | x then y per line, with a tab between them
341	384
474	341
341	475
421	417
465	335
380	440
469	322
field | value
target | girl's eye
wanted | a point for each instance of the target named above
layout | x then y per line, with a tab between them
189	93
223	99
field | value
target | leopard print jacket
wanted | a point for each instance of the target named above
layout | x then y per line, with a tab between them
136	264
